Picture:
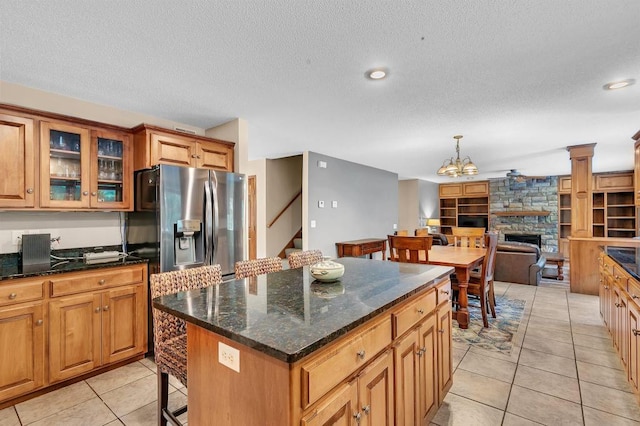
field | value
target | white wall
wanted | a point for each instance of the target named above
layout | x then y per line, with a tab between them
75	229
367	202
408	205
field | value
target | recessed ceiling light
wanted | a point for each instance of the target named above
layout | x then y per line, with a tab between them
377	74
618	84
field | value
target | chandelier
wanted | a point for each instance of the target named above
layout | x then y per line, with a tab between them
457	167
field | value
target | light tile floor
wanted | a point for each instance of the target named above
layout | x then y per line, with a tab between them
562	370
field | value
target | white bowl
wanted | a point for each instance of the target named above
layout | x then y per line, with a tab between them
327	271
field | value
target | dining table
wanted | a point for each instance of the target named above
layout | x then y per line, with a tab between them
463	260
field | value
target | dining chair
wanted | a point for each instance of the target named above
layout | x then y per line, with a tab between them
298	259
402	233
170	332
467	237
408	249
254	267
482	285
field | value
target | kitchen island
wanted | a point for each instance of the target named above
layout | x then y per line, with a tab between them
283	349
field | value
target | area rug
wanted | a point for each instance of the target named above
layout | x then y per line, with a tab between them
499	335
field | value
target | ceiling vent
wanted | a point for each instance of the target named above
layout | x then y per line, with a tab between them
180	129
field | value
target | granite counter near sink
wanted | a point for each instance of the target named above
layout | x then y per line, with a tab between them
67	261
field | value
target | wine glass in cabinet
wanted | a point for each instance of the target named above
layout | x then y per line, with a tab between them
64	165
111	170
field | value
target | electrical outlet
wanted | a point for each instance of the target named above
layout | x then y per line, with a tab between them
321	204
229	357
16	237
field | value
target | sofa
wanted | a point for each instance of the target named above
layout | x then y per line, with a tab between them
519	263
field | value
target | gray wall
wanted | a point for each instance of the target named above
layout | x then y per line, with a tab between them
367	202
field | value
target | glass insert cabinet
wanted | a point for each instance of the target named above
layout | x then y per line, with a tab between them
83	168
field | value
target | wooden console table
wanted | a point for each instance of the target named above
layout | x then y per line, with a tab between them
357	248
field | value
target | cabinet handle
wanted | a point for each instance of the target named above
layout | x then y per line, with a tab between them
361	354
617	277
441	331
419	353
366	409
106	308
444	291
420	311
94	193
357	416
12	296
97	309
617	305
193	156
101	282
85	193
29	190
633	296
634	331
39	322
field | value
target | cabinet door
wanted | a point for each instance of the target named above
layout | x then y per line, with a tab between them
475	188
124	312
445	370
21	350
17	164
74	335
111	171
407	387
450	190
636	174
623	330
172	150
339	408
64	166
375	392
634	345
211	155
428	369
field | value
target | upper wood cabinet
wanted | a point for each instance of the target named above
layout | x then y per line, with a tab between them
464	189
52	161
84	169
636	174
154	145
17	162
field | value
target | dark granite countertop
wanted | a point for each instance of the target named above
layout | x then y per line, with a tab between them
11	268
289	315
627	257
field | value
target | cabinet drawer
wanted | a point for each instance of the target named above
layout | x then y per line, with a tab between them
443	291
620	277
413	312
340	361
634	291
23	291
95	280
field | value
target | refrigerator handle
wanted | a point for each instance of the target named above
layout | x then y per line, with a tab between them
215	223
208	224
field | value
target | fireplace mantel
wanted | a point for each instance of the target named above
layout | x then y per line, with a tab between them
522	213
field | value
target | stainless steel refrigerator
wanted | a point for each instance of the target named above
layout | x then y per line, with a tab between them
186	217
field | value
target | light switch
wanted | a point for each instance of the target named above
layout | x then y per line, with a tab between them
313	223
322	164
321	204
334	204
395	226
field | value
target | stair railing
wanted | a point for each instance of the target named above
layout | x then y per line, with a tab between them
284	209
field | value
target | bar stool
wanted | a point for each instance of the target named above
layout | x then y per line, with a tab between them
298	259
254	267
170	332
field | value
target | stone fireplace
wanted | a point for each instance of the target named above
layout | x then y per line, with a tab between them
525	208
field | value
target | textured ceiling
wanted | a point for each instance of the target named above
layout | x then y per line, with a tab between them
521	80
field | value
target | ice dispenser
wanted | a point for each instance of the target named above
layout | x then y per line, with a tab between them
188	242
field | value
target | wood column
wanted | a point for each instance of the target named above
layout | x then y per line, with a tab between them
581	190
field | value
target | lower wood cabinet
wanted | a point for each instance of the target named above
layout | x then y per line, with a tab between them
620	310
22	349
94	329
365	400
87	328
